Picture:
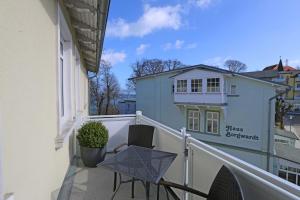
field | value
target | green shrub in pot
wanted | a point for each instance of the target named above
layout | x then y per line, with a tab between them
92	138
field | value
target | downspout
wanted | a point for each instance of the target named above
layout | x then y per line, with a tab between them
269	125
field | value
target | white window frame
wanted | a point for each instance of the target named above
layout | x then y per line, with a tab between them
196	85
214	86
64	74
286	170
233	91
181	86
195	118
214	121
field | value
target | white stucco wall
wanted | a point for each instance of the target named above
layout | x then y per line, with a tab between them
32	168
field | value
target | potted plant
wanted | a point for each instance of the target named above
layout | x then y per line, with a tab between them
92	137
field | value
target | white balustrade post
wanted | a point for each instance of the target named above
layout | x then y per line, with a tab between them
139	115
185	164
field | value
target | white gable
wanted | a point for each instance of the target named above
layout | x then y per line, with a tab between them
199	74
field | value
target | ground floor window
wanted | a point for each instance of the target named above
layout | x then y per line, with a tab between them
193	120
212	122
291	174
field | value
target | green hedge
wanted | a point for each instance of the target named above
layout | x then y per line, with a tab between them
93	135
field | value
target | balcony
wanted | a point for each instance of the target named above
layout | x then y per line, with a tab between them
218	99
197	170
279	80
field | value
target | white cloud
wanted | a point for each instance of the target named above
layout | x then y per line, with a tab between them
113	57
179	44
153	19
201	3
217	61
141	49
191	46
176	45
167	46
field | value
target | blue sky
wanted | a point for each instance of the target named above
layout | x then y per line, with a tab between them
255	32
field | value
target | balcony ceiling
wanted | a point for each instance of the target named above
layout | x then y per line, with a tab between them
88	20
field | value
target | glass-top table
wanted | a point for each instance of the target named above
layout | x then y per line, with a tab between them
140	163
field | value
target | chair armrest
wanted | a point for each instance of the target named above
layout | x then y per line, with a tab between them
118	147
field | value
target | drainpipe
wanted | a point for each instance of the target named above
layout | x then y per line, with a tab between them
269	125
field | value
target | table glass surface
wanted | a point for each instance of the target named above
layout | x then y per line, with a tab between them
140	163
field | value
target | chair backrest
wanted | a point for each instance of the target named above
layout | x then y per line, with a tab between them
225	186
140	135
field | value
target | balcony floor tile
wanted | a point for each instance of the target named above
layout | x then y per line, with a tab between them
97	184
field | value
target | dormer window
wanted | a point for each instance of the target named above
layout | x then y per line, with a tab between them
181	86
213	85
196	85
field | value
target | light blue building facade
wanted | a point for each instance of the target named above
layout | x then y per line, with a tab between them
227	110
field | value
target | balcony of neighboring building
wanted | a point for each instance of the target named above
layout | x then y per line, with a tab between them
280	79
203	88
196	166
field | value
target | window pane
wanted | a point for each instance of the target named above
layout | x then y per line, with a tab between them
233	89
190	124
196	85
215	115
181	85
196	124
298	180
193	120
292	177
209	115
282	174
213	85
209	126
215	127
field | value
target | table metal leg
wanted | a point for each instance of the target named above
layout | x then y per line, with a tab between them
157	197
116	190
147	190
115	180
167	192
132	188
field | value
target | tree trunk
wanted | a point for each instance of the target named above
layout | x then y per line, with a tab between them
108	100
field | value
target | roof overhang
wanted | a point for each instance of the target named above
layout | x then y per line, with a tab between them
87	19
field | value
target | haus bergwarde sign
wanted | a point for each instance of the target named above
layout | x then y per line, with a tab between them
237	132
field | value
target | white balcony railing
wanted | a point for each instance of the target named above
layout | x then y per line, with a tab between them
200	98
200	167
279	80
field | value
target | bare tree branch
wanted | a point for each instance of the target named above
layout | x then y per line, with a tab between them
235	66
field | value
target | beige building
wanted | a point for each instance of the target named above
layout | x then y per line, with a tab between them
47	47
